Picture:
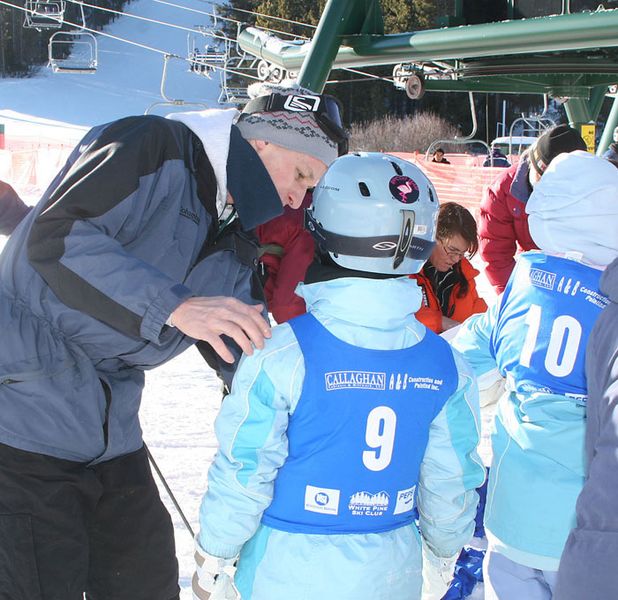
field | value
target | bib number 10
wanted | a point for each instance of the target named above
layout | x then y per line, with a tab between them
565	336
380	435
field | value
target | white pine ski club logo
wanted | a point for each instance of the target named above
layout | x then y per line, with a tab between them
322	500
302	103
369	505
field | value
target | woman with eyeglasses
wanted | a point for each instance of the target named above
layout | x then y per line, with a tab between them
447	279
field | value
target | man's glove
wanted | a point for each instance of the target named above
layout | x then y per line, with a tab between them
437	574
214	577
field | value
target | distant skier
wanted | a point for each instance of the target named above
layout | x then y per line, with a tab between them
351	415
535	337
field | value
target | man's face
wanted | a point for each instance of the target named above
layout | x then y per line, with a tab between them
292	172
616	135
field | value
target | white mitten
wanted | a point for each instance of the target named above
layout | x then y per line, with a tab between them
437	574
214	577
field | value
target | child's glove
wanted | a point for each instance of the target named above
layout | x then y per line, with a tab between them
437	574
214	577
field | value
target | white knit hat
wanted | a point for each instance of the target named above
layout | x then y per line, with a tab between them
574	208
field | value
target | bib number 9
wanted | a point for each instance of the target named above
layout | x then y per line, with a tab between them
380	435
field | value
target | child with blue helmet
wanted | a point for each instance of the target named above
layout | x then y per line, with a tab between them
352	416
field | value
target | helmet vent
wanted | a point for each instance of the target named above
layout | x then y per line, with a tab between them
364	190
430	195
397	168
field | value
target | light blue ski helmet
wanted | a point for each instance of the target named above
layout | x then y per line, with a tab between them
376	213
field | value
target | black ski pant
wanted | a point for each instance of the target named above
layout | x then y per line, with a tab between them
67	528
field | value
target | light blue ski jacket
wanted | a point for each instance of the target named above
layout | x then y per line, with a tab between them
535	337
251	430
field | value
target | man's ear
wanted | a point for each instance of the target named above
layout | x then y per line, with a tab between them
258	145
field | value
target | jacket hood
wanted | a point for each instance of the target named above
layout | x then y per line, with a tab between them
574	208
609	281
212	127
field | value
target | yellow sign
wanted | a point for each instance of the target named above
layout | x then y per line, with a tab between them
588	133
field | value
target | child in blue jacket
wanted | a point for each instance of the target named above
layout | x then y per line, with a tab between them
350	417
535	337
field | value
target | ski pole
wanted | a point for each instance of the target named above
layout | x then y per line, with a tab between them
169	491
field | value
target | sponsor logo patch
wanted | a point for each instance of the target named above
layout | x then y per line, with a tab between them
542	279
322	500
405	501
367	380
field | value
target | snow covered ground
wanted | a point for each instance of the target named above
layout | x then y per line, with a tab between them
181	399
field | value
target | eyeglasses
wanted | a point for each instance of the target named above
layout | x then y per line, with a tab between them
326	109
454	252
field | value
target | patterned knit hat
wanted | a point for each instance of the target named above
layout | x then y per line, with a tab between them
298	131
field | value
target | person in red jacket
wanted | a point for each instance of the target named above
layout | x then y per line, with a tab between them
503	228
287	250
447	279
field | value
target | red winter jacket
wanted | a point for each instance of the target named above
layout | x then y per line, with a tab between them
286	262
503	228
430	313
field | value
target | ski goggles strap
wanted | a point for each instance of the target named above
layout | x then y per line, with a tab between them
325	108
371	247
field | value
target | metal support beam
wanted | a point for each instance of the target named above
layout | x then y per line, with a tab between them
581	112
334	22
608	131
579	31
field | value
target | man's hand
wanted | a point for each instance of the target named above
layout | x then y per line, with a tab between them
209	318
214	577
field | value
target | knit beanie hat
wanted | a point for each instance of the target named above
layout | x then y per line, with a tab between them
574	208
557	140
298	131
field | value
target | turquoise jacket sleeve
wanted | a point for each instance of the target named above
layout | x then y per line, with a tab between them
251	432
451	470
473	341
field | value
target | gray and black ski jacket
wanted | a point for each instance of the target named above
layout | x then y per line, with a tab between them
117	242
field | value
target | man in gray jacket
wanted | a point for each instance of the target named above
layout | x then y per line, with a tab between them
120	267
588	563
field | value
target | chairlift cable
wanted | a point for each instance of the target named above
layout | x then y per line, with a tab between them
223	18
257	14
149	20
101	33
126	41
172	55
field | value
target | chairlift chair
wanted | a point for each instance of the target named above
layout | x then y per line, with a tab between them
167	101
46	14
464	140
72	52
205	61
